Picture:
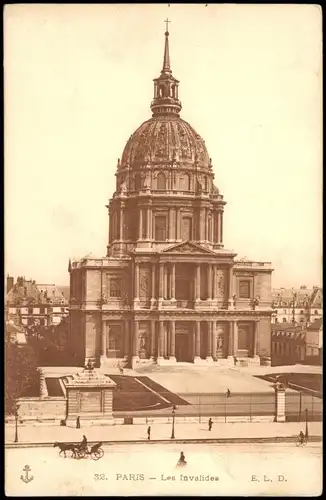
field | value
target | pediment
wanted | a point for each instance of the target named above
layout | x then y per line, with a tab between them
186	248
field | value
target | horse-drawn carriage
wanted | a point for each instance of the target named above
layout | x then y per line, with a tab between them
78	451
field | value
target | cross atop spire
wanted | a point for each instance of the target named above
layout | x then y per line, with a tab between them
166	60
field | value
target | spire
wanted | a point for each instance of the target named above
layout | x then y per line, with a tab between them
166	60
166	99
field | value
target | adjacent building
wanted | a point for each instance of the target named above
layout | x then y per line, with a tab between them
297	305
168	290
300	343
29	303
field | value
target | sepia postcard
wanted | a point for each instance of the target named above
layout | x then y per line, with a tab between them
163	255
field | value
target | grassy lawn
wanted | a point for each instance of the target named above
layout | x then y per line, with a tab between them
53	386
307	381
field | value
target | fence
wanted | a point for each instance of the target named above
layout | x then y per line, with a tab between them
195	405
299	406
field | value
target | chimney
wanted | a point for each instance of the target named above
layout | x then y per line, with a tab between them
10	283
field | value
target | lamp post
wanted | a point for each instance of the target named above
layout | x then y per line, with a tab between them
173	420
306	434
16	408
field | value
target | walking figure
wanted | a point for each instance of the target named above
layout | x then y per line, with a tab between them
149	432
78	423
228	393
210	423
182	460
235	359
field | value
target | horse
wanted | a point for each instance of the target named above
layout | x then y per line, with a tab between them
66	447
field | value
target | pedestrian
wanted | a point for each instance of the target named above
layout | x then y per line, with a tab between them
78	423
210	423
228	393
149	432
235	359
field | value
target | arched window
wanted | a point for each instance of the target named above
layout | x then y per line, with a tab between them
161	182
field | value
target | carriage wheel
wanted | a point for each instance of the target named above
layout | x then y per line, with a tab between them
96	455
80	454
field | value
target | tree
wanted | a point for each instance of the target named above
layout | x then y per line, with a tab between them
22	377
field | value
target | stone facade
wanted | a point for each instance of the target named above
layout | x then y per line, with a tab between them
168	291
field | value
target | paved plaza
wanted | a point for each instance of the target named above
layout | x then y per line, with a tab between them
144	470
138	432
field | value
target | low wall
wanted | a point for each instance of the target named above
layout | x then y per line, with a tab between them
42	408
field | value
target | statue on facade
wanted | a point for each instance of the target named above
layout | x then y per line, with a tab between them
234	298
90	365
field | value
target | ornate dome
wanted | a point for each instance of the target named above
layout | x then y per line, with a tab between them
165	138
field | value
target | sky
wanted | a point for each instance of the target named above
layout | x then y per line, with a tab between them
79	82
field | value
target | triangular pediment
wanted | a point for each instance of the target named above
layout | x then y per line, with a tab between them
188	247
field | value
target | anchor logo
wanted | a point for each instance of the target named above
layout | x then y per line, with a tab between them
26	478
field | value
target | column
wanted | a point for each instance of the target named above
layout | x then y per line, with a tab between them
231	292
161	340
256	338
279	403
214	340
135	346
153	339
121	224
165	295
136	281
177	224
206	224
153	283
197	293
126	339
209	341
209	282
235	338
197	340
151	236
221	228
172	281
172	346
202	224
230	340
161	282
103	340
171	236
148	234
214	282
218	228
140	235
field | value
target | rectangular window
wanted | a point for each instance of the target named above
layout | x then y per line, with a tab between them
244	289
30	310
115	287
160	228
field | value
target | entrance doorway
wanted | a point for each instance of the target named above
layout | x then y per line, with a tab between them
183	351
245	340
184	342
